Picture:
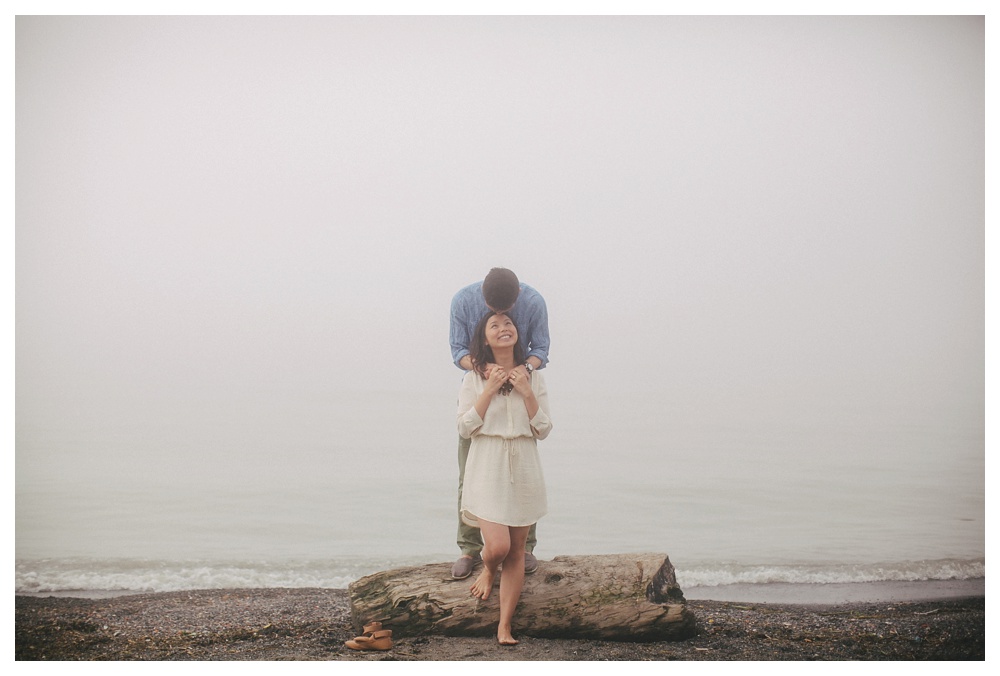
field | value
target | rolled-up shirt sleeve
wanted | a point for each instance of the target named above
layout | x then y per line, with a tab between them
537	315
459	334
469	420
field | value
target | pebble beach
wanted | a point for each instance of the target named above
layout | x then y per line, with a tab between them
312	624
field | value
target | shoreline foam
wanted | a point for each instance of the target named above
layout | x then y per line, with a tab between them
789	593
87	577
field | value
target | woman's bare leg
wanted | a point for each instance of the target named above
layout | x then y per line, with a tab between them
511	582
496	547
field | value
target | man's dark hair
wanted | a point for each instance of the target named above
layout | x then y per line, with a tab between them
482	353
500	289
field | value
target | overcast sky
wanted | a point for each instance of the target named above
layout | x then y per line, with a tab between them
764	214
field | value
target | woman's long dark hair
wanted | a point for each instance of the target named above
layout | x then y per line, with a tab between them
482	353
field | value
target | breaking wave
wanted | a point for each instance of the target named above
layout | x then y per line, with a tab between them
146	575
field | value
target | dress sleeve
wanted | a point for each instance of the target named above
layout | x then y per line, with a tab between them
541	424
469	420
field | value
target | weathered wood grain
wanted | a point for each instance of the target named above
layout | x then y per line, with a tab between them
622	597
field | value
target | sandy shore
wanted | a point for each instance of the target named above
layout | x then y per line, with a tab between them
312	624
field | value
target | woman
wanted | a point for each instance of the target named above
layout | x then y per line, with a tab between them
504	409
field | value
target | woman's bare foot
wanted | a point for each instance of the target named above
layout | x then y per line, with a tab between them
505	637
483	585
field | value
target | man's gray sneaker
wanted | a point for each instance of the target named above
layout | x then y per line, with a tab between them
463	567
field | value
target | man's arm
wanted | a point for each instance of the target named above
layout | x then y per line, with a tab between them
538	334
459	336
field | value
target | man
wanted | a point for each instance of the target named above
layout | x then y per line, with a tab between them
499	292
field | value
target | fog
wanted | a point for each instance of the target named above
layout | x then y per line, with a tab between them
236	223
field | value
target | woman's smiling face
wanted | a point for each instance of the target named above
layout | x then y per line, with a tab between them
500	332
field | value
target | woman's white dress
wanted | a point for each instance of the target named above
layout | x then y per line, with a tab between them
503	475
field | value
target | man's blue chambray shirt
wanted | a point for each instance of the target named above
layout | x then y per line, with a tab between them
529	314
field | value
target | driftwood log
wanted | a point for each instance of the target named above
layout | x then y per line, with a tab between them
618	597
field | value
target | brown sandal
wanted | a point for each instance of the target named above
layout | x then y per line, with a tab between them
380	639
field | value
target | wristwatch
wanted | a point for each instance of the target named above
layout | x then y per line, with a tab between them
528	367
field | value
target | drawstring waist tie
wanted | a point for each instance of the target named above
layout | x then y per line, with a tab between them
508	447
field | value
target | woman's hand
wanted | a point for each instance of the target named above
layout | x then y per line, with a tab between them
521	380
496	379
493	384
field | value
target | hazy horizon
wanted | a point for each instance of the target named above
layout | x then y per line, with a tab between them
227	226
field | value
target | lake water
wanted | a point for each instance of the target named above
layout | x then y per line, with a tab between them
319	490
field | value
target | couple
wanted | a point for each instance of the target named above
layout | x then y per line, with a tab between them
502	410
